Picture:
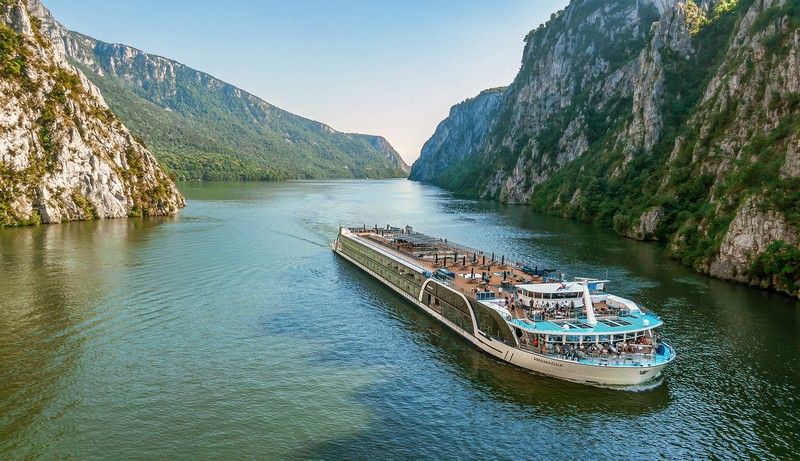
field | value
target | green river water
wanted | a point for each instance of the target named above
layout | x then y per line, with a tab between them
233	331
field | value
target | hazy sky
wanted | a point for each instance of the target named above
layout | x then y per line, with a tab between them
378	67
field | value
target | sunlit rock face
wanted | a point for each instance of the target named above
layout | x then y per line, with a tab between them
63	154
668	120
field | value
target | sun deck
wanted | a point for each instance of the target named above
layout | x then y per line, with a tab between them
472	269
490	278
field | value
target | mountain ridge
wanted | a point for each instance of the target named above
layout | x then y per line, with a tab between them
225	133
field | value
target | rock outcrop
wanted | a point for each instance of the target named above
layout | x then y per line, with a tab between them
63	154
748	236
672	120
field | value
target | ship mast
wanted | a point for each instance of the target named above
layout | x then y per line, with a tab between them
587	301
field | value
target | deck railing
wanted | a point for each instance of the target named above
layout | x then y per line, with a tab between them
577	315
624	360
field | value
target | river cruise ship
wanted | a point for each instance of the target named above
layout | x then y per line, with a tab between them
519	314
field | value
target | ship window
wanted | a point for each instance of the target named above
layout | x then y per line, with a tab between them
492	324
462	320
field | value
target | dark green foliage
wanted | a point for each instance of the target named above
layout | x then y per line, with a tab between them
785	19
785	197
780	261
695	226
790	11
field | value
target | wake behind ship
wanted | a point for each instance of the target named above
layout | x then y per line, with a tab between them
567	329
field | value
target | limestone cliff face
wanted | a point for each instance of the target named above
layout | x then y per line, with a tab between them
670	36
673	120
63	154
749	236
459	136
586	52
745	134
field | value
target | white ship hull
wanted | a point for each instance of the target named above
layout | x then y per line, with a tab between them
560	368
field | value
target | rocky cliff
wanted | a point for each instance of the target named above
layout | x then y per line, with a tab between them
670	120
63	154
203	128
458	136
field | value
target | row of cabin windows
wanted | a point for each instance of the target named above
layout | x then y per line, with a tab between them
461	320
404	283
564	295
487	320
382	260
591	339
448	296
443	300
366	257
492	324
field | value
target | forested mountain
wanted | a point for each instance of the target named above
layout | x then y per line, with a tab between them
203	128
670	120
63	154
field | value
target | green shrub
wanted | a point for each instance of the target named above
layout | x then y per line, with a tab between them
779	263
89	211
12	59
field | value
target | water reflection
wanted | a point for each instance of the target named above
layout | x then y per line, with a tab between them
54	277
